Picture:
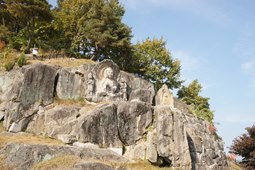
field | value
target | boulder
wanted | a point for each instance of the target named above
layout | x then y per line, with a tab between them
133	119
99	127
24	156
38	85
70	84
164	97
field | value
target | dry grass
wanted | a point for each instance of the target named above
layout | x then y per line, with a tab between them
234	166
6	138
58	163
67	162
68	102
63	62
144	165
1	126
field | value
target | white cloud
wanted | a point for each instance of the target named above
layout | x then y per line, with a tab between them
248	66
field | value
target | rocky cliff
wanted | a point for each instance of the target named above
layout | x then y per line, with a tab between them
95	108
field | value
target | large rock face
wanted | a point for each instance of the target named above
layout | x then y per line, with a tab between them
24	156
119	114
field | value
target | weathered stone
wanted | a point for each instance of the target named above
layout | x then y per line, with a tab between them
60	120
164	96
151	151
99	127
38	85
137	151
10	83
167	133
172	138
66	88
85	145
133	119
143	95
198	143
12	113
1	115
24	156
119	151
19	126
66	138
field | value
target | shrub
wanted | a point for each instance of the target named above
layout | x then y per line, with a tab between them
9	65
22	60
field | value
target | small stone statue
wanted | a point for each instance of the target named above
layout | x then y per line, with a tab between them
91	84
123	88
109	86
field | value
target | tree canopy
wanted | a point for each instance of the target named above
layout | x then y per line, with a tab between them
27	16
244	146
152	61
199	105
95	28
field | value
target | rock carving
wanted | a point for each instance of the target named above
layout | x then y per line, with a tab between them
91	84
108	85
123	88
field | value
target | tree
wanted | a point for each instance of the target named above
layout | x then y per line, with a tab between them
199	105
95	28
244	146
152	61
29	15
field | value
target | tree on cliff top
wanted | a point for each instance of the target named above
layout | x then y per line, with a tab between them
244	146
152	61
199	105
95	28
28	16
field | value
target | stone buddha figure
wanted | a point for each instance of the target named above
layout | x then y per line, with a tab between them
108	85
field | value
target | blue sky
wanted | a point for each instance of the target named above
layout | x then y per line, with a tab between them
215	41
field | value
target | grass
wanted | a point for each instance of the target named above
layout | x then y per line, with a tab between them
144	165
63	62
234	166
1	126
6	138
58	163
68	102
67	162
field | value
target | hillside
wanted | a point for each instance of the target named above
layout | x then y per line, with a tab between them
60	115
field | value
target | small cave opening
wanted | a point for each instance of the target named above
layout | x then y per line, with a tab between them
55	85
163	162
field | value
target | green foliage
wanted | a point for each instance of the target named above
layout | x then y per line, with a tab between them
152	61
8	65
8	59
22	60
244	146
198	105
28	15
95	29
4	33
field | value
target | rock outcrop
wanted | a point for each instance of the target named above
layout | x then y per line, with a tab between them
119	114
24	156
